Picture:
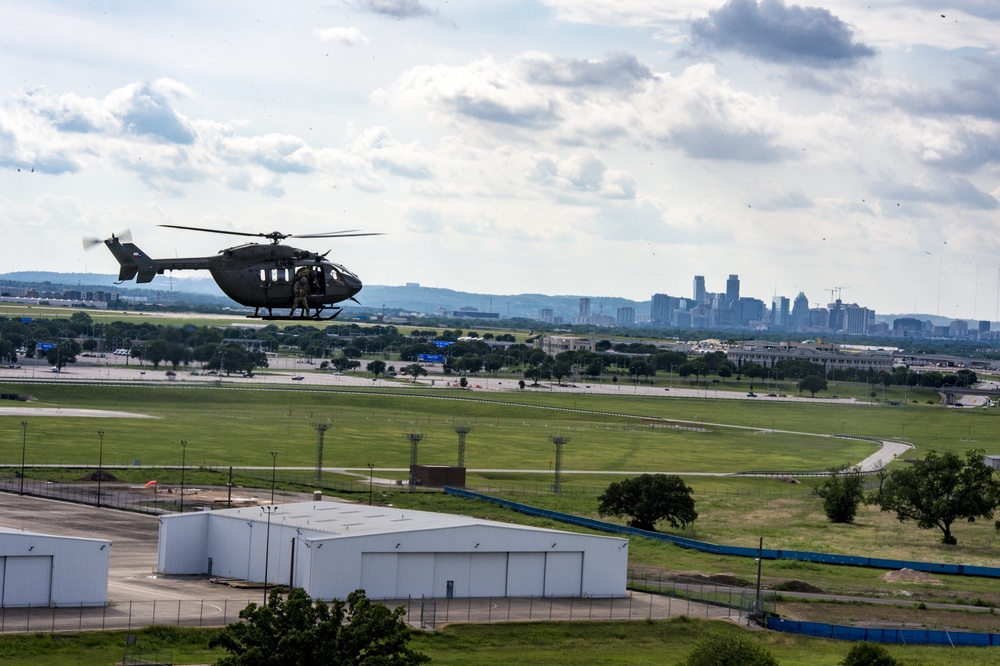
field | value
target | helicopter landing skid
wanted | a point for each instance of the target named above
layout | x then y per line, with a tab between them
316	316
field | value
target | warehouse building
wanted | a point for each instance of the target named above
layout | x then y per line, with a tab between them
45	570
331	549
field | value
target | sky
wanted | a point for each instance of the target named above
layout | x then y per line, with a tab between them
583	147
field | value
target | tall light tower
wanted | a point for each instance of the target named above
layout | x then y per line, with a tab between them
184	448
100	467
24	443
462	431
558	440
414	438
274	466
321	429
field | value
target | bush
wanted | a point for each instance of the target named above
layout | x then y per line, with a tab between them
730	649
868	654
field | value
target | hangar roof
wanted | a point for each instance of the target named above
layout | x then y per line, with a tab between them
15	531
344	519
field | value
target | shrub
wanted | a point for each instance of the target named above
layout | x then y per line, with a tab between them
868	654
730	649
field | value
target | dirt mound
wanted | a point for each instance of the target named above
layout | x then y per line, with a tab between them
909	576
796	586
729	579
103	476
718	579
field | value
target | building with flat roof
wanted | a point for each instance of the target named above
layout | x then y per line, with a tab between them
331	549
830	356
52	571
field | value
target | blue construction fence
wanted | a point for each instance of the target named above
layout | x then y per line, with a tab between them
900	636
737	551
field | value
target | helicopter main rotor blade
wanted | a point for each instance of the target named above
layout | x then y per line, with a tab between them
214	231
338	234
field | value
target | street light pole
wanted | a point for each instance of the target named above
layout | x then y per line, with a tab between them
371	478
184	446
274	463
24	441
100	467
267	545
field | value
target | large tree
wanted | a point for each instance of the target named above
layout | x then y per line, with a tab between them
301	631
812	383
842	492
648	499
941	489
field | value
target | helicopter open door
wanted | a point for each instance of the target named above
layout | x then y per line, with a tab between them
315	273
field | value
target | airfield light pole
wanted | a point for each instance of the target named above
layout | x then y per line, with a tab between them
267	543
414	438
558	440
462	431
100	467
321	429
184	446
371	478
274	463
24	441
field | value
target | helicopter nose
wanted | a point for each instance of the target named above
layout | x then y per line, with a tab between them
352	283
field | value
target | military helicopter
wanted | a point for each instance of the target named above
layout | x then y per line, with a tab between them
262	276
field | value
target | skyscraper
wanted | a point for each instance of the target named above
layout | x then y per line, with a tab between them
584	308
733	289
699	289
800	312
779	312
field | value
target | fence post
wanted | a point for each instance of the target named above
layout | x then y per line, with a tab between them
130	614
489	610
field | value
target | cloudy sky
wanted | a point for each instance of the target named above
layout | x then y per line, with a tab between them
588	147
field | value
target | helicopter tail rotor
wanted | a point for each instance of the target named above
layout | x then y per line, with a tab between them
124	237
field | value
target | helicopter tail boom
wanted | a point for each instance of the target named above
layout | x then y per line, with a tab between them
134	262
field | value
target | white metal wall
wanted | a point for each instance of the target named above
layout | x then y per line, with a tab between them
46	570
480	560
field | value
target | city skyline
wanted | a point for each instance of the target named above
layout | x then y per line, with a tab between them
516	147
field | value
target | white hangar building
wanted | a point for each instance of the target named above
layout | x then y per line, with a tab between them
45	570
331	549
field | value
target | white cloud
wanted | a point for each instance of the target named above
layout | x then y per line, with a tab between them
347	36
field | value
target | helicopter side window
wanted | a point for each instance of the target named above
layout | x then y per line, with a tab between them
264	277
279	275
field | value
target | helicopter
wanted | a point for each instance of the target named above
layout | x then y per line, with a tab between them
262	276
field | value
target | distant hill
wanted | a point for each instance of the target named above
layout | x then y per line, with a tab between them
413	298
409	298
99	281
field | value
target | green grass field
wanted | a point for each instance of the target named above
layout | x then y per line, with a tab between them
230	426
570	643
239	427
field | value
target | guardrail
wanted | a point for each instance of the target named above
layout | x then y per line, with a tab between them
875	635
737	551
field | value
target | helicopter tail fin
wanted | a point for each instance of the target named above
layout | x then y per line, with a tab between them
134	262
